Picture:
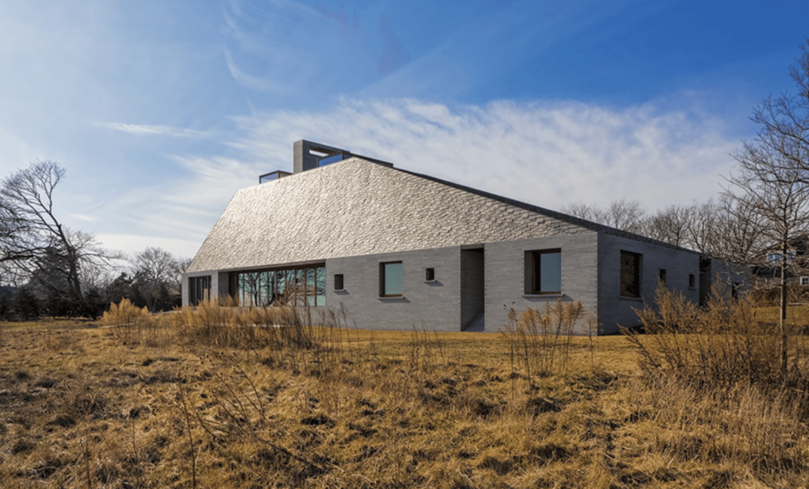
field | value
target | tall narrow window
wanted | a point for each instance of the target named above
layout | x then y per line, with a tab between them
390	279
692	281
546	272
663	276
429	275
630	274
321	286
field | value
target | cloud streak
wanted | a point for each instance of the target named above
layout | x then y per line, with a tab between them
150	130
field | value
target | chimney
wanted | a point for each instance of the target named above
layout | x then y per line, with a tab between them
307	155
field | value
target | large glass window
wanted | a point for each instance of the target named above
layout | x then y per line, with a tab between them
294	286
546	272
390	279
630	274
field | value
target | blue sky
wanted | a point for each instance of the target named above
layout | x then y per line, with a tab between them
160	111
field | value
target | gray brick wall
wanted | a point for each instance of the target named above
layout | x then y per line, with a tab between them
614	310
436	304
506	271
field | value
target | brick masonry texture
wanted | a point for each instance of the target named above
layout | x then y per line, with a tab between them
356	207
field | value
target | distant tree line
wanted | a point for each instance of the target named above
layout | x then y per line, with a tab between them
47	268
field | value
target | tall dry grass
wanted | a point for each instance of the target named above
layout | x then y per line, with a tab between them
721	345
540	339
130	323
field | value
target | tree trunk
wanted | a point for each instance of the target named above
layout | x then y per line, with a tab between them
782	326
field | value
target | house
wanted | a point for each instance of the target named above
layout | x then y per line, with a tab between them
769	272
397	249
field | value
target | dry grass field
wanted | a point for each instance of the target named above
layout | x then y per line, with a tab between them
213	399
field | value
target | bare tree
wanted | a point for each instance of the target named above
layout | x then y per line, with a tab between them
784	121
158	273
627	215
33	237
671	225
773	178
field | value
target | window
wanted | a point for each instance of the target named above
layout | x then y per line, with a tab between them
663	276
775	257
429	275
804	280
298	286
390	279
630	274
546	272
199	290
338	281
327	160
692	281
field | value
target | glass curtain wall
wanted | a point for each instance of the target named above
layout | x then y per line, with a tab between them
293	286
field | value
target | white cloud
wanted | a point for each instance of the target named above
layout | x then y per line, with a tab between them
150	130
548	154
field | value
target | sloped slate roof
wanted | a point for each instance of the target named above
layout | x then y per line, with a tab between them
357	207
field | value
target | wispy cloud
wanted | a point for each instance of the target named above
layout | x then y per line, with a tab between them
545	153
83	218
151	130
247	80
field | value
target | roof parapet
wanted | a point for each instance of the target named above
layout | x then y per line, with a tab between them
307	155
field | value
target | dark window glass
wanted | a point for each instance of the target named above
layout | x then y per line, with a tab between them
338	281
546	272
630	274
429	275
199	290
390	279
692	280
663	275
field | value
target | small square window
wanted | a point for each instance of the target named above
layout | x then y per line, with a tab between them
804	280
390	279
692	281
429	275
663	276
338	281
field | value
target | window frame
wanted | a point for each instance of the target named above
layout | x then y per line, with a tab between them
382	291
536	271
637	258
